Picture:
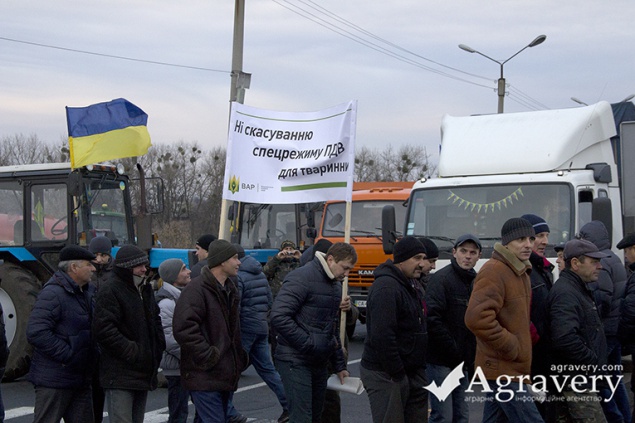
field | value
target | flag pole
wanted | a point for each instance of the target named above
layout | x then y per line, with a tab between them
347	239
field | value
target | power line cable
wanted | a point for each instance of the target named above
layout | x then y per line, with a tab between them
112	56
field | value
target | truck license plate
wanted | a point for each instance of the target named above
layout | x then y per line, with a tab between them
360	303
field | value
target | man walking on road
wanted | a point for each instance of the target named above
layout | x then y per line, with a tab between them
207	327
306	315
450	341
64	353
498	314
393	362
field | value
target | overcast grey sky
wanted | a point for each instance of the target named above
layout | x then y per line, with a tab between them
300	65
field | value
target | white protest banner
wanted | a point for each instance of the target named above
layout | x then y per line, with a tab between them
290	157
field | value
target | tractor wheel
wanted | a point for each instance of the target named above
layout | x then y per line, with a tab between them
18	291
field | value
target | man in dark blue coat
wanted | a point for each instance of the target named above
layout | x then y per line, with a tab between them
305	315
59	329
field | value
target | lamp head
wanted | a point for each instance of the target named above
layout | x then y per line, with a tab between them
538	40
467	48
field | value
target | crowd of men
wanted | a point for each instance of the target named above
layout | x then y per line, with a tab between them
100	332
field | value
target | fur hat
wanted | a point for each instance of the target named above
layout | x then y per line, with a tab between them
100	244
204	240
407	247
537	222
75	252
169	270
286	244
219	251
130	256
515	228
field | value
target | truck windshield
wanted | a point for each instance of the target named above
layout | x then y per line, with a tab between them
443	214
107	211
365	218
267	225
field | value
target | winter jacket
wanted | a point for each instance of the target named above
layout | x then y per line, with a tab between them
396	336
305	315
277	270
102	273
627	319
207	327
255	297
450	342
610	288
128	330
64	353
196	269
576	330
541	283
166	298
498	314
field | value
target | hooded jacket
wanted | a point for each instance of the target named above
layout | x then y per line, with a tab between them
128	330
59	329
396	336
498	315
207	327
255	297
610	289
166	298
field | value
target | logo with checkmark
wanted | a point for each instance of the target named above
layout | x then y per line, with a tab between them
449	384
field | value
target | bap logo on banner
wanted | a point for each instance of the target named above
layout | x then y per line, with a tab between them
234	183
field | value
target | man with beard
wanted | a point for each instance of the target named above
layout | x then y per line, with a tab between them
393	361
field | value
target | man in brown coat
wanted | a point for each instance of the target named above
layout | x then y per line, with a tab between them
498	314
206	325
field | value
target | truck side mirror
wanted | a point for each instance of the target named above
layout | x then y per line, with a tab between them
602	210
388	232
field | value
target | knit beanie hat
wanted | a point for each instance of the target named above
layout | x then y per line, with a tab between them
286	244
407	247
240	250
204	240
130	256
322	246
432	251
169	270
537	222
100	244
515	228
219	251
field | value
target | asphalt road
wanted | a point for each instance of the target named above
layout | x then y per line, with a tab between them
253	398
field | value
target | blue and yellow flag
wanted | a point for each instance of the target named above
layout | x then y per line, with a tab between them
106	131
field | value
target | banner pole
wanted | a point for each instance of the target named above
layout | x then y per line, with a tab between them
347	239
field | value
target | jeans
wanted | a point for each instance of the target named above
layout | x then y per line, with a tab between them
618	409
257	346
211	406
403	401
454	409
519	409
178	398
125	405
305	386
73	405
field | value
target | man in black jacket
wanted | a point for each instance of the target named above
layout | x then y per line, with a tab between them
305	315
626	330
450	342
393	361
128	330
577	337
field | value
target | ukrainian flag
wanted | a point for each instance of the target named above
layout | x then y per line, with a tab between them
106	131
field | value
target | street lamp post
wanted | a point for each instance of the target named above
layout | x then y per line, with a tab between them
501	81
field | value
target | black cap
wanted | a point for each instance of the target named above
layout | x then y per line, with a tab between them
204	240
558	247
515	228
628	241
432	251
468	237
130	256
407	247
582	247
75	252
